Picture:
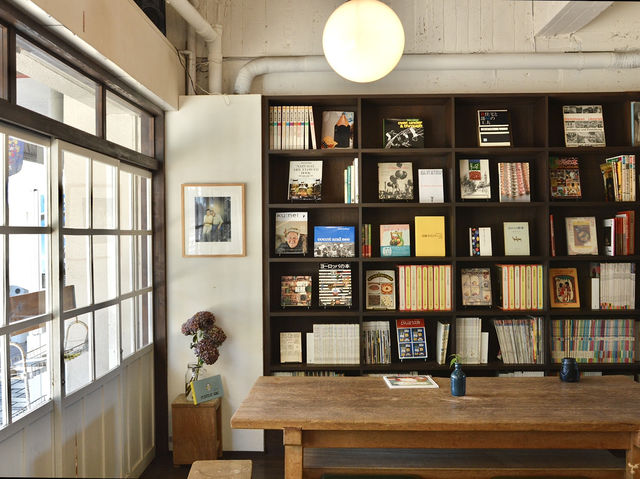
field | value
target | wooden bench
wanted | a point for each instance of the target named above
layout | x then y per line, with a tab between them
227	469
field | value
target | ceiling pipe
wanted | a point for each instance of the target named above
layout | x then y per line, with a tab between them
452	61
211	34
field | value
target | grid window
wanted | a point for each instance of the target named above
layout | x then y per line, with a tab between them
128	125
48	86
78	351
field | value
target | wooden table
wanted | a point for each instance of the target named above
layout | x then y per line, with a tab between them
512	413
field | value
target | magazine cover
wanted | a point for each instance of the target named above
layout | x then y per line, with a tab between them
403	133
291	233
408	382
381	289
494	128
581	235
475	182
334	284
564	177
305	180
395	240
563	286
295	291
337	129
395	181
476	287
514	182
334	241
412	339
583	125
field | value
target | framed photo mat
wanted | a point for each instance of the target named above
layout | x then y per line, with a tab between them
213	219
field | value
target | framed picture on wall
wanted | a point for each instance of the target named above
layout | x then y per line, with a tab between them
213	220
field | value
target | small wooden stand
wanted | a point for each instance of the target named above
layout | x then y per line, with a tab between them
197	430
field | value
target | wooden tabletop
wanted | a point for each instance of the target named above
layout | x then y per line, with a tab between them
606	403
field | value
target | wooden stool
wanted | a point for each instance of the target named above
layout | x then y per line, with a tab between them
231	469
197	430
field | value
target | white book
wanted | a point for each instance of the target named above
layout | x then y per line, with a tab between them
310	350
595	293
516	238
475	182
291	347
484	347
430	185
442	339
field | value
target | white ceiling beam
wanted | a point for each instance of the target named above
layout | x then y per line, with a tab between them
571	17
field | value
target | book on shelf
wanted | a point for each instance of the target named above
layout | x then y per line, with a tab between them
594	340
516	238
291	232
442	341
334	241
395	240
469	340
514	182
624	232
404	381
563	288
552	235
291	127
619	177
337	129
583	125
365	233
635	123
380	289
476	286
291	347
613	284
395	181
480	241
430	236
377	342
581	235
430	185
335	343
334	285
520	286
609	236
412	339
424	287
351	183
403	133
295	291
564	177
475	182
484	347
521	340
494	128
305	180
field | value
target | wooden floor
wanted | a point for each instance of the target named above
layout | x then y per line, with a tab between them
263	466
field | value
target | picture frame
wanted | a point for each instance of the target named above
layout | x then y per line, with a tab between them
213	219
563	288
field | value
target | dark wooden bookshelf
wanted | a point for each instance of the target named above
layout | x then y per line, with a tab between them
450	127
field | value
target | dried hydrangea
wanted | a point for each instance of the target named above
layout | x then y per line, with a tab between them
207	337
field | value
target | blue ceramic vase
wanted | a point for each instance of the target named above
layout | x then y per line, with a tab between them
569	372
458	381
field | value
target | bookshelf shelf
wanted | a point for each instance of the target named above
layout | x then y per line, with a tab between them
450	135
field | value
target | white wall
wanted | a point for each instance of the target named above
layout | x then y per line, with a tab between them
217	139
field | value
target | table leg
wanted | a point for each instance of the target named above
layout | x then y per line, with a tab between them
633	458
292	453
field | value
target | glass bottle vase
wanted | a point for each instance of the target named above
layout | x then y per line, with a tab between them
193	373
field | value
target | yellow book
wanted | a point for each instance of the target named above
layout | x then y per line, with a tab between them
443	294
419	288
430	236
430	283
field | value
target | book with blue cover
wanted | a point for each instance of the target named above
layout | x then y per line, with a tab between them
334	241
206	389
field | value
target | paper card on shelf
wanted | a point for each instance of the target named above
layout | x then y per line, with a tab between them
206	389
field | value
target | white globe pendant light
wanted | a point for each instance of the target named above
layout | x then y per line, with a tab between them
363	40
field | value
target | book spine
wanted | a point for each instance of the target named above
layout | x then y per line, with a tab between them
312	127
553	236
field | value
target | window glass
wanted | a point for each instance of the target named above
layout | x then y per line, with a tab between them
126	264
106	331
128	125
48	86
77	272
77	347
105	263
143	190
126	201
27	185
144	321
28	276
29	359
104	196
127	320
144	262
75	190
3	415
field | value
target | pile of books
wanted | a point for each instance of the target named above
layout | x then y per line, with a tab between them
618	174
423	287
613	285
521	340
593	340
334	344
